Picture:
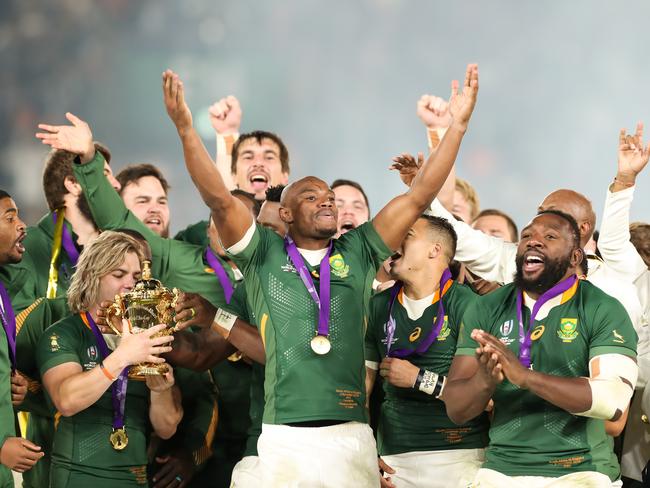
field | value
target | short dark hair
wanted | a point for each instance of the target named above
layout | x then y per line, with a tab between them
353	184
259	136
58	167
134	172
274	193
512	227
256	203
4	194
441	227
575	230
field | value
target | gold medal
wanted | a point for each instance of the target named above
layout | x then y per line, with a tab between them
321	345
119	439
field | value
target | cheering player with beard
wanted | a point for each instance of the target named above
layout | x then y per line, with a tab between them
557	357
315	430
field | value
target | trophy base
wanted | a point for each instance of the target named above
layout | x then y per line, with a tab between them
139	372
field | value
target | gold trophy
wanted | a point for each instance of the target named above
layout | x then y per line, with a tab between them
147	305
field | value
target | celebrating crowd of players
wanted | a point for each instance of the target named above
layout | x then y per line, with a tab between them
429	345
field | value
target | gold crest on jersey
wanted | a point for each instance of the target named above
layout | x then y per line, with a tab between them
568	329
445	330
339	268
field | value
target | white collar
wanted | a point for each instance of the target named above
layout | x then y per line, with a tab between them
313	256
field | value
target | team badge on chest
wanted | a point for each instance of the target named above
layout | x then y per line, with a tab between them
339	268
568	329
445	331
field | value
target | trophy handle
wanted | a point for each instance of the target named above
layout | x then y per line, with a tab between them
177	296
115	310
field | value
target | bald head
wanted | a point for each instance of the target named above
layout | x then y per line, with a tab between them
577	206
307	207
293	189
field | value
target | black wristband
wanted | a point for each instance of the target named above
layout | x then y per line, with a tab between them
418	380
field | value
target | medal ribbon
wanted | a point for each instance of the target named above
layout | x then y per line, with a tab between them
525	341
321	299
63	237
118	389
9	324
391	325
220	271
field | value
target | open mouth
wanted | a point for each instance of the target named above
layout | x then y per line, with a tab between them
19	243
325	214
533	262
259	181
153	221
347	226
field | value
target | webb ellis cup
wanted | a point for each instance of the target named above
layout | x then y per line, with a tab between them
147	305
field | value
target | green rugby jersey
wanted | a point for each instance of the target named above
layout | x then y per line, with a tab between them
7	423
27	280
175	263
30	324
528	435
239	307
299	384
411	420
82	455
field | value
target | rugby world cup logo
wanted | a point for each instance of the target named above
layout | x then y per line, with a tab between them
506	328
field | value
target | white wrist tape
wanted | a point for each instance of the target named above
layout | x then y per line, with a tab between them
374	365
224	319
612	380
428	384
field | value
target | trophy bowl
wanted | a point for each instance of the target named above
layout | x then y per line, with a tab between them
147	305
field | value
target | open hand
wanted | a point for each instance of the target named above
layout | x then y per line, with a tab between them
174	97
632	156
76	138
19	454
143	347
193	309
225	116
507	362
461	104
407	166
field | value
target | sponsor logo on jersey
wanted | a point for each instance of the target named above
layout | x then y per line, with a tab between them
339	268
618	337
54	343
505	330
92	353
537	332
568	329
445	330
415	335
288	267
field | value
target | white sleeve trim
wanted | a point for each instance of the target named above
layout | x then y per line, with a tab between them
489	257
239	247
374	365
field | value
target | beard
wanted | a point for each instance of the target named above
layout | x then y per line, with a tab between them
553	272
84	208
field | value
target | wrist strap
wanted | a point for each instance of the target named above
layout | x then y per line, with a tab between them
224	320
622	183
106	372
430	383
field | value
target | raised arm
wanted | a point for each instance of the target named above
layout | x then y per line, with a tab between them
394	220
614	241
225	117
434	113
230	214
